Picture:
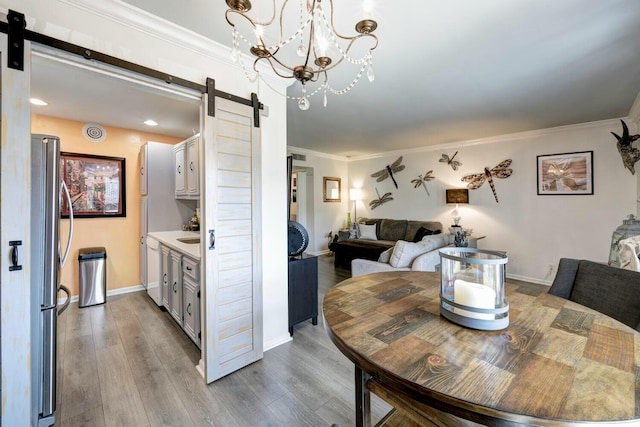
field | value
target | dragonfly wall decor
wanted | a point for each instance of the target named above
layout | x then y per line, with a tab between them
475	180
454	163
380	200
388	171
422	181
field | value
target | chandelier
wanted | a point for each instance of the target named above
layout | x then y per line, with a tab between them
320	48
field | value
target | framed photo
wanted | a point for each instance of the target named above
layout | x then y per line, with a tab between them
96	185
565	174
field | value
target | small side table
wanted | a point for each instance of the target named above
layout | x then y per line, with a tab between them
303	291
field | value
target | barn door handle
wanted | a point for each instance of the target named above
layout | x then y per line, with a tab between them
15	255
212	239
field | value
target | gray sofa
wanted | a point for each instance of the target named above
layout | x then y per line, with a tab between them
388	232
610	290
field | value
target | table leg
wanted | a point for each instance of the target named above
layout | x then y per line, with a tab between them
363	399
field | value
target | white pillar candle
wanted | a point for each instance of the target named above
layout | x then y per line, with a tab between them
474	295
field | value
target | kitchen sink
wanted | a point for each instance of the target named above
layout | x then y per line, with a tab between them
189	240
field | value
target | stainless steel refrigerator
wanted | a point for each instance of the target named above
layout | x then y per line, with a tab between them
46	262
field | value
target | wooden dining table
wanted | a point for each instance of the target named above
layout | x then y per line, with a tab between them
557	363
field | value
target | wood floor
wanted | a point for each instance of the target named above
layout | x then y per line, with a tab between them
126	363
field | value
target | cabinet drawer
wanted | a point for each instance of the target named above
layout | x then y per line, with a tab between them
191	268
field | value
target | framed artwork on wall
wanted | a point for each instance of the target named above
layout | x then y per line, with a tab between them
96	185
565	173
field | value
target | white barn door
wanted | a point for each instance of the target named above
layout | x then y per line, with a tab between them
15	215
232	295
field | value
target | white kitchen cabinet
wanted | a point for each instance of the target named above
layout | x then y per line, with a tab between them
192	165
142	240
180	177
175	288
187	169
142	172
165	261
191	306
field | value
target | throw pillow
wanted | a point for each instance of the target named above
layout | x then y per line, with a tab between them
367	232
405	252
385	256
424	232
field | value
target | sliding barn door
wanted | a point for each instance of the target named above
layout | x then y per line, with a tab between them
232	321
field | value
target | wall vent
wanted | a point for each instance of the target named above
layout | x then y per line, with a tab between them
94	132
301	157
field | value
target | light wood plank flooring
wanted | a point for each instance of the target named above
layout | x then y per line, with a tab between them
127	363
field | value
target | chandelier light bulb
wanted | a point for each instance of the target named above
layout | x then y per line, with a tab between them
259	31
367	7
324	101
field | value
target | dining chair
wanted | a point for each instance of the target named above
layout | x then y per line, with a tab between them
610	290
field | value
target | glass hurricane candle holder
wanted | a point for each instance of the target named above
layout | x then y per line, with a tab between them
472	288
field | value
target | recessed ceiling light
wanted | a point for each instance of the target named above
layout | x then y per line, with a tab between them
36	101
150	122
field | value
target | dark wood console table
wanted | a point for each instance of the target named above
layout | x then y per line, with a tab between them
303	291
558	363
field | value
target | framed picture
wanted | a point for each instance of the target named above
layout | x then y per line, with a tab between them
96	185
565	173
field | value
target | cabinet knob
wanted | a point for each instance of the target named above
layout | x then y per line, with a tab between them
189	268
164	278
175	290
179	171
189	309
141	170
191	166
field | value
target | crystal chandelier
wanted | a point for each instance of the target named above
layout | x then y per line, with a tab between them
320	48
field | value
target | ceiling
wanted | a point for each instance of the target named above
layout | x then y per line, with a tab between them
446	71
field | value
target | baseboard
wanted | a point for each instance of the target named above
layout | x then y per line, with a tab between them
110	293
273	343
529	279
324	252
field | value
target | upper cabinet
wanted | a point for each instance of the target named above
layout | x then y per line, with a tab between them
186	170
143	170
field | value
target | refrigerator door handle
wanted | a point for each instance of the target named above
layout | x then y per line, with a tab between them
63	186
66	290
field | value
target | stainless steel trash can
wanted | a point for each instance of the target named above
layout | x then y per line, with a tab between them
92	264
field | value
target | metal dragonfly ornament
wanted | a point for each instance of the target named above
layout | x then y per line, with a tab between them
422	181
475	180
629	154
380	200
388	171
453	163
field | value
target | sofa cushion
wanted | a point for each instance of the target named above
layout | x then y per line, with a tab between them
405	252
392	229
367	232
414	226
385	256
424	232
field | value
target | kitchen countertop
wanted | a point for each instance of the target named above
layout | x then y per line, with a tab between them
169	238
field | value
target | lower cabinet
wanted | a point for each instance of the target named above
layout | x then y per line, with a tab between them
175	291
181	291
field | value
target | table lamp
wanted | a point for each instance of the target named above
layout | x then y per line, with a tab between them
457	196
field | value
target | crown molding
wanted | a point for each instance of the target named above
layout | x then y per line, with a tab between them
493	139
298	150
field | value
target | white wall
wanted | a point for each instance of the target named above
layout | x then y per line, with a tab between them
111	27
327	216
536	231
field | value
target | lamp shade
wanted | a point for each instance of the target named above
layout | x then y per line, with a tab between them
355	194
457	195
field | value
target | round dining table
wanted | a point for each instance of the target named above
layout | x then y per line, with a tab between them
557	363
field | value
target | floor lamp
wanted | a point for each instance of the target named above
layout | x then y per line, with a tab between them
355	194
